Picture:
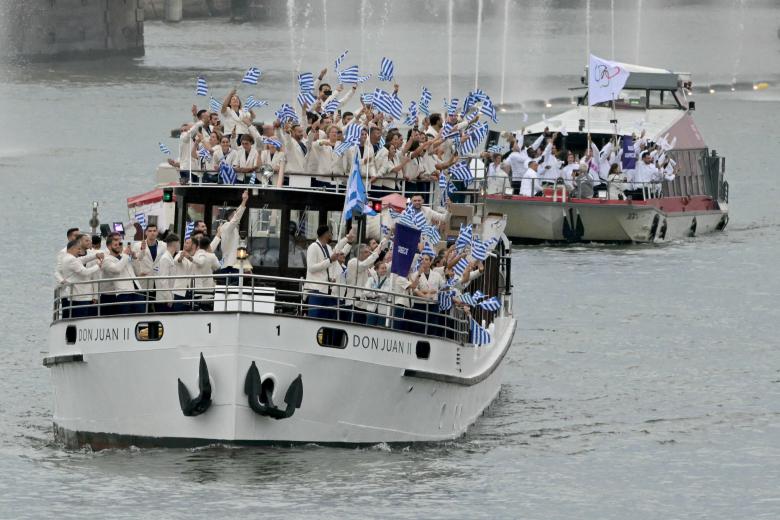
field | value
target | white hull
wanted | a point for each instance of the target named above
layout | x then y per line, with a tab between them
547	221
125	391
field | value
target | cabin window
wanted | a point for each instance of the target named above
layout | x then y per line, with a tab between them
70	334
422	350
149	331
195	212
219	215
264	236
331	338
302	232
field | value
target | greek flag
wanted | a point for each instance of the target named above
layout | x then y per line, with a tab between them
388	103
274	142
332	106
467	147
428	250
351	138
489	110
251	103
480	250
464	237
251	76
413	218
189	227
473	98
478	295
381	142
479	335
355	197
451	107
479	131
445	300
460	267
141	219
306	82
469	299
203	153
386	70
443	187
393	213
431	233
496	149
286	113
226	173
460	171
411	117
385	230
306	99
201	89
367	99
164	149
350	75
425	100
492	304
253	178
448	131
215	105
339	60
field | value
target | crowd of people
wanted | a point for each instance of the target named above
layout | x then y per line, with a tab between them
304	150
345	280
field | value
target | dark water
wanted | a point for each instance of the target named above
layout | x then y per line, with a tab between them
644	381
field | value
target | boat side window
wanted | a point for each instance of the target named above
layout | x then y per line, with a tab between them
331	338
149	331
195	212
302	231
264	236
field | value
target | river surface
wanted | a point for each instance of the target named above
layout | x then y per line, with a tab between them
644	381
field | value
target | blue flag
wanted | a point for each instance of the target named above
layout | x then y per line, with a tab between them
355	197
629	154
404	248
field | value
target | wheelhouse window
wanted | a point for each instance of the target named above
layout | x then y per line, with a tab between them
195	212
302	231
264	236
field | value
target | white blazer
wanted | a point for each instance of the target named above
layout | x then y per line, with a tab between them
73	271
121	267
144	265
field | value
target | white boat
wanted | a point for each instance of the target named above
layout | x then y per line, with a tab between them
257	369
694	203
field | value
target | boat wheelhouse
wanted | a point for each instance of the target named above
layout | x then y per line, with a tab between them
258	368
653	101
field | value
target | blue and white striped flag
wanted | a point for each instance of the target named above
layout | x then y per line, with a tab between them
388	103
306	99
340	59
251	103
215	105
460	267
251	76
460	171
350	76
491	304
489	110
464	237
386	70
451	106
381	142
480	250
269	140
253	178
350	138
226	173
428	250
411	116
469	299
141	219
478	131
393	213
189	227
496	149
201	88
448	131
305	82
479	335
367	99
203	153
478	295
473	98
164	149
286	113
445	300
467	147
431	233
413	218
332	106
355	196
425	101
384	229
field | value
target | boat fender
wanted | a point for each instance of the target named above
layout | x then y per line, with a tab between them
191	407
261	400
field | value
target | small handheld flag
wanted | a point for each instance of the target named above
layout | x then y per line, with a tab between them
479	335
141	219
164	149
251	76
215	105
386	70
188	229
201	88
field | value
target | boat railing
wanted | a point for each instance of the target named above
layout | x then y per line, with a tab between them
261	294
